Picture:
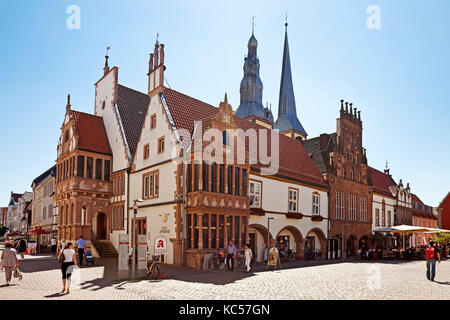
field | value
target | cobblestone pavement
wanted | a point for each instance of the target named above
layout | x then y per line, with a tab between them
346	280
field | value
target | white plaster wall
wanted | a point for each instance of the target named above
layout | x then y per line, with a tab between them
104	91
377	201
154	227
151	136
275	198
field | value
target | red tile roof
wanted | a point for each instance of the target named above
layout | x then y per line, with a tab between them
381	182
295	163
91	132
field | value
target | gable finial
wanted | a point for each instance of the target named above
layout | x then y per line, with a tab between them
225	99
106	68
68	103
157	38
253	24
286	23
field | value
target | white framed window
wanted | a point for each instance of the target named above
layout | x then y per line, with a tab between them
340	205
352	206
363	209
377	217
293	200
389	221
83	216
255	194
383	219
316	203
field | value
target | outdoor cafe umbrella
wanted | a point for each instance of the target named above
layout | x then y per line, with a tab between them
403	230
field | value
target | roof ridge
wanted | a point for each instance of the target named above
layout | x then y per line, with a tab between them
210	105
121	85
88	114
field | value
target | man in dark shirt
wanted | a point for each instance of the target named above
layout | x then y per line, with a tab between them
431	263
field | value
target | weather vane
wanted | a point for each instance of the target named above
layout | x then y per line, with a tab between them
157	37
253	24
107	49
286	24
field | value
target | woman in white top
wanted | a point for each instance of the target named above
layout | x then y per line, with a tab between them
248	257
67	265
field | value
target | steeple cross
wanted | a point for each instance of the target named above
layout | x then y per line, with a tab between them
253	24
286	24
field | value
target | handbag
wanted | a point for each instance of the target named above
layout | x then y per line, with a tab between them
17	273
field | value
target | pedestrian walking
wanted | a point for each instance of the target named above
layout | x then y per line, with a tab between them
9	261
61	246
81	243
431	254
68	261
248	257
231	254
54	245
22	245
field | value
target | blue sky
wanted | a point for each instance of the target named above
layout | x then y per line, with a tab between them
397	76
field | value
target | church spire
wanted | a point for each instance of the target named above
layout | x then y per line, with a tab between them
287	113
251	84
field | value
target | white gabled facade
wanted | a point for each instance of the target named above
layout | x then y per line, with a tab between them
157	173
383	208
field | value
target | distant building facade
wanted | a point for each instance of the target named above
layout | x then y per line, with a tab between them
44	210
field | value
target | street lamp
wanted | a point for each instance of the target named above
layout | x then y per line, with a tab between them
134	238
268	231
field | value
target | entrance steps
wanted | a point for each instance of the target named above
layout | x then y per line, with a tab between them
103	249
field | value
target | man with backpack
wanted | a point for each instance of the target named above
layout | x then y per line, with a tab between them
431	254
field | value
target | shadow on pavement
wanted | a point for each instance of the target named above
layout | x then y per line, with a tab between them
55	295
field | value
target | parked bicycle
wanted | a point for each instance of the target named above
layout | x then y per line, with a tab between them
216	259
317	254
153	270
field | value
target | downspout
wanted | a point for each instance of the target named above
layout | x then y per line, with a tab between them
127	204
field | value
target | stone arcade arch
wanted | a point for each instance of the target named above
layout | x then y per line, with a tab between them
321	244
258	240
298	238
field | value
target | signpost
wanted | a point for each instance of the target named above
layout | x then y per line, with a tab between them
142	254
123	256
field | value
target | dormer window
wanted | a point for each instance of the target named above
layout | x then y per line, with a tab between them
103	105
146	151
161	145
66	135
153	121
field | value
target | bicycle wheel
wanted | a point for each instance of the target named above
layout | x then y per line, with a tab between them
156	271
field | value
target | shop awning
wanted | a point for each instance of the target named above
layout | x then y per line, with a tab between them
38	231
